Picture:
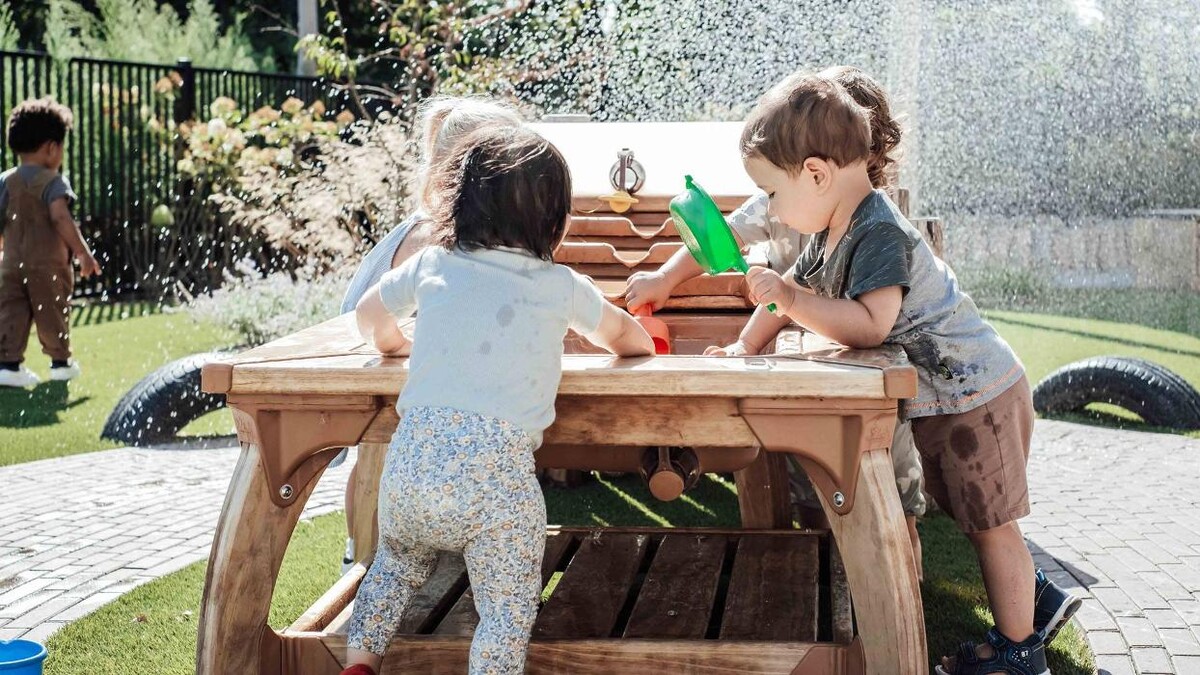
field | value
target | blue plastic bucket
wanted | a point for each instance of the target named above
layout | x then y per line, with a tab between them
21	657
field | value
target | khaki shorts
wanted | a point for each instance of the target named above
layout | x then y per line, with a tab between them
975	461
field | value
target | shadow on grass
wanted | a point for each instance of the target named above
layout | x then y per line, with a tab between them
37	407
625	501
201	442
95	313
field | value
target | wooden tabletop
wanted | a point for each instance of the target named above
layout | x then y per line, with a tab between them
708	151
330	359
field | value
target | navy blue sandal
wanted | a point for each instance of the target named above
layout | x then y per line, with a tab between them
1052	608
1012	658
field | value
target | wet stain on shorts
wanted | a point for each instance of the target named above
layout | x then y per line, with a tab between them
963	441
975	503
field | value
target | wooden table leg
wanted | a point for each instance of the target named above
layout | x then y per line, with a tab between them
365	526
878	557
248	548
763	493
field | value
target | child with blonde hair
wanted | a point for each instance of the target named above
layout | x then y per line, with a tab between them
442	122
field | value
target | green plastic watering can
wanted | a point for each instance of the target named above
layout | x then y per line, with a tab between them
705	232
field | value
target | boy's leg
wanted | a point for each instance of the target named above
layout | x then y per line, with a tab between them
50	295
1007	570
806	508
16	314
975	469
906	464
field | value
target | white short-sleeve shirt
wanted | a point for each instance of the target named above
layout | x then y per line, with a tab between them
755	224
489	332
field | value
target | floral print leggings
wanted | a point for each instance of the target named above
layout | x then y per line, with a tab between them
458	481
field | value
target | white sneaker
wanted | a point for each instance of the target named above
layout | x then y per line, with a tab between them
67	372
21	378
348	558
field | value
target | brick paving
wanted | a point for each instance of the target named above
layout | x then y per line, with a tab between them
1116	519
79	531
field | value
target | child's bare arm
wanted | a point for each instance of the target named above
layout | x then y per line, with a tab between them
378	326
620	334
762	327
654	288
68	229
863	322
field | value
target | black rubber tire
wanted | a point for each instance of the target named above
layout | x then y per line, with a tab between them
162	403
1159	396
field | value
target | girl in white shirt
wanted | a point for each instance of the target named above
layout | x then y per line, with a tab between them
484	368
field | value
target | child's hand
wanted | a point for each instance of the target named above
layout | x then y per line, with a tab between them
395	350
766	287
648	288
88	266
738	348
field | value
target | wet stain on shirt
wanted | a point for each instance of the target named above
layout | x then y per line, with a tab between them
505	315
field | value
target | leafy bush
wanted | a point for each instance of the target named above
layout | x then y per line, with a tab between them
9	36
262	308
542	53
142	30
316	190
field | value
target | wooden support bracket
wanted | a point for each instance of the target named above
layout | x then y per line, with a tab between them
293	433
828	440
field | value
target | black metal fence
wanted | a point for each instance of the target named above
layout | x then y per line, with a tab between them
122	160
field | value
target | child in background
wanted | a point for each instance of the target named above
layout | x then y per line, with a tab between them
752	223
443	121
486	360
866	277
38	239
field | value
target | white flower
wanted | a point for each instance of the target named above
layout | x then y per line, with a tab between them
216	127
284	158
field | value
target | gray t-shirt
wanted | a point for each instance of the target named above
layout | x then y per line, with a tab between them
754	224
961	361
55	189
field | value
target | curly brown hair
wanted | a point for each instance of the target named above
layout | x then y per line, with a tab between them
885	130
35	122
501	186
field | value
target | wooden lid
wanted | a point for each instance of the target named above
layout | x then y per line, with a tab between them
666	150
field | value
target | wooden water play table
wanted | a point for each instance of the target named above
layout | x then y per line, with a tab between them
762	599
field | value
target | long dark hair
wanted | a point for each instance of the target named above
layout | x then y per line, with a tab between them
501	187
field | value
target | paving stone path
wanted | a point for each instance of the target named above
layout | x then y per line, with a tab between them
77	532
1116	518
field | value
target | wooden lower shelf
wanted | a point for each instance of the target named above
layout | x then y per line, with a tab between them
628	600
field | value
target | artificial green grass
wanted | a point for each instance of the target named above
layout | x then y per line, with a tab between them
152	629
116	345
1046	342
